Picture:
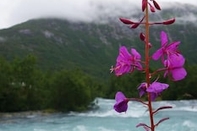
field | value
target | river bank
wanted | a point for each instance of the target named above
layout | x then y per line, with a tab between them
25	114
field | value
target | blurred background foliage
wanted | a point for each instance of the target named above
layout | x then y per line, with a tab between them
24	86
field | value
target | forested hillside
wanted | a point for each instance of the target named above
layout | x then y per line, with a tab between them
93	47
47	57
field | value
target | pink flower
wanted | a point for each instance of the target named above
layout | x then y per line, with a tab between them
155	89
121	104
166	49
127	62
174	67
142	88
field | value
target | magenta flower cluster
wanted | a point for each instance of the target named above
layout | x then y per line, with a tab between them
127	62
170	58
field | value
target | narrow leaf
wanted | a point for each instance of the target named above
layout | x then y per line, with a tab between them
164	119
161	108
143	125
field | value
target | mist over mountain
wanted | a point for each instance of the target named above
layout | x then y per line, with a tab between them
93	45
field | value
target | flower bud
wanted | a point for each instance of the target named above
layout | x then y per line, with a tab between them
168	22
156	5
142	36
149	45
152	9
144	5
135	25
126	21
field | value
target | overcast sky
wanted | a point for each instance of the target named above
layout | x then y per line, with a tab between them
16	11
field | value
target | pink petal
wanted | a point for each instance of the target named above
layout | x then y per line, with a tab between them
164	38
123	54
176	60
157	87
135	53
119	96
121	69
121	106
178	74
139	66
173	46
157	54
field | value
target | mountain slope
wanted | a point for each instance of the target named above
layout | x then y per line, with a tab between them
93	47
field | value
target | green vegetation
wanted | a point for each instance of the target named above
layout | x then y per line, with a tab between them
24	87
52	64
93	48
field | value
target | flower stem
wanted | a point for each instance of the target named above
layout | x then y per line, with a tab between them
147	62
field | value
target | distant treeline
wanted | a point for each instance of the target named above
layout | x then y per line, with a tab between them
24	86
